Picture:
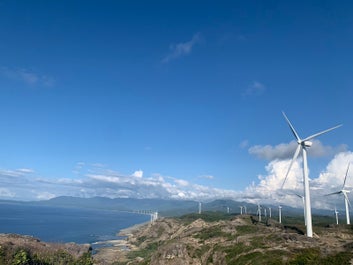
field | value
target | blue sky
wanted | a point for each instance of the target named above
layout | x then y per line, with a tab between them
170	99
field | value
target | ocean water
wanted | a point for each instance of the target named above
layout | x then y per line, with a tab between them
59	224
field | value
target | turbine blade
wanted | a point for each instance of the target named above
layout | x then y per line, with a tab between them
300	196
346	197
345	178
319	133
291	127
291	163
333	193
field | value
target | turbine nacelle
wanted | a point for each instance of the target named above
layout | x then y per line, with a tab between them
307	143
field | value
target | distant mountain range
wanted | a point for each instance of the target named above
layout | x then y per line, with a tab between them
163	206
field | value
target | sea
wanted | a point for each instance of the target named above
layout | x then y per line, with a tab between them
63	225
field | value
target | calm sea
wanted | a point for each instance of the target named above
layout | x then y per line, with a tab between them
57	224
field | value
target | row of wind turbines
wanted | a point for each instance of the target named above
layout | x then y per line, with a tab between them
303	144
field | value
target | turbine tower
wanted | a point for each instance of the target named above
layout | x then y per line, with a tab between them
346	200
303	144
280	214
259	212
336	214
241	210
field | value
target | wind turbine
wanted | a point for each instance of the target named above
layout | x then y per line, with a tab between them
344	192
259	211
241	210
280	214
303	199
336	214
303	144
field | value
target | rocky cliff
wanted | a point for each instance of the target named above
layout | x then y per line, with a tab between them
199	239
17	249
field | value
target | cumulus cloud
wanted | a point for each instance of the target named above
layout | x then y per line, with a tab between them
24	184
105	183
268	190
27	76
332	177
181	49
285	151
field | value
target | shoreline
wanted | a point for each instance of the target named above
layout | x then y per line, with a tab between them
131	229
109	251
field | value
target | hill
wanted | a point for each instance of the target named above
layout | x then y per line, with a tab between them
220	239
17	249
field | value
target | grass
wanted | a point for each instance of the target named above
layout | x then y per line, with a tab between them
206	216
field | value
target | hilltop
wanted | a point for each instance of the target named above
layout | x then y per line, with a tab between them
219	239
27	250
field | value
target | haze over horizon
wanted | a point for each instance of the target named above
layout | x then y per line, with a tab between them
174	100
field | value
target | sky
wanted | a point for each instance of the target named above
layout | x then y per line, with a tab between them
174	99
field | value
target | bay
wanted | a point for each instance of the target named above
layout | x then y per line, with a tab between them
59	224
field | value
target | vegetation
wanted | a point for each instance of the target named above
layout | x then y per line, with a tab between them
206	216
233	239
21	256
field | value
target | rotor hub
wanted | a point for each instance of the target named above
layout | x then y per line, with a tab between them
306	143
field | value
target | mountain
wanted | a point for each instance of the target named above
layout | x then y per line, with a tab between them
165	207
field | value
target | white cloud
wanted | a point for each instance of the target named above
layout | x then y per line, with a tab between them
138	174
45	195
255	89
27	76
6	193
285	151
181	182
331	179
23	184
181	49
207	177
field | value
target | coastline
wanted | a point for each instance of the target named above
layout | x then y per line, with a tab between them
131	229
109	251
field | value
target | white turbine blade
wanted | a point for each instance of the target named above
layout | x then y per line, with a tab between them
346	197
319	133
345	178
291	127
291	163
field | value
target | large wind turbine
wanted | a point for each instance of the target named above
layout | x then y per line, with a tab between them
303	144
346	200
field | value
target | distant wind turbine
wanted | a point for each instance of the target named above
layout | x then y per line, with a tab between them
303	144
303	199
259	212
346	200
336	214
280	214
200	207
